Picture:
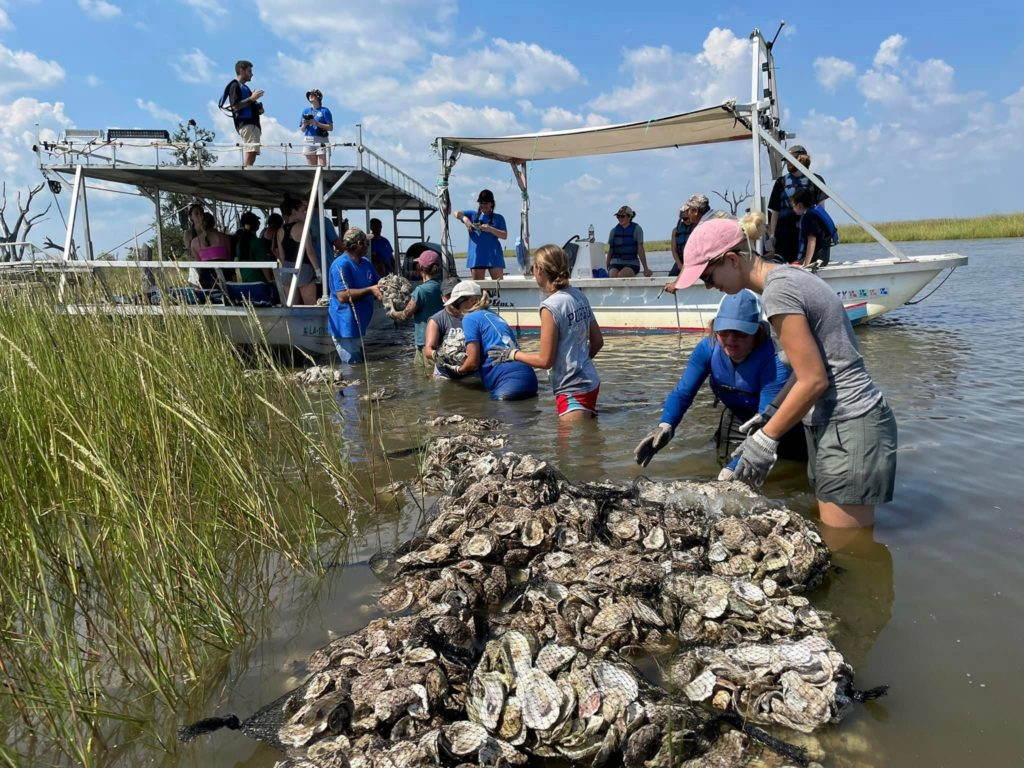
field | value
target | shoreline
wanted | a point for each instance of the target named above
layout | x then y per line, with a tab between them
992	227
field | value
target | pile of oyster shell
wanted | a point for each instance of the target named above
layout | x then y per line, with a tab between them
395	292
520	601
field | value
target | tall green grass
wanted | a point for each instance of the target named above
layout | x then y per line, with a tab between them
152	486
977	228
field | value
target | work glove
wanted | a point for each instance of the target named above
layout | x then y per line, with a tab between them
729	470
500	355
449	370
656	439
751	426
757	455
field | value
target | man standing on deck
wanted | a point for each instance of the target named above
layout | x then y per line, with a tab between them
245	109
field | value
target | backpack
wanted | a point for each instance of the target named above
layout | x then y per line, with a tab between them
223	104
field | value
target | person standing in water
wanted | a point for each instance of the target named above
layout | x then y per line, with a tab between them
851	431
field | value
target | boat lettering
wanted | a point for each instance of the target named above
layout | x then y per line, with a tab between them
503	304
316	331
862	293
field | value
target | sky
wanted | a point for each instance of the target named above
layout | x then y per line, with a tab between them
908	113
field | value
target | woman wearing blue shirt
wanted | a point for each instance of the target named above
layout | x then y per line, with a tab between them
746	375
486	231
353	286
484	331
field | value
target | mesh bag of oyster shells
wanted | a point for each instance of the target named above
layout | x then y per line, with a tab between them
453	348
395	292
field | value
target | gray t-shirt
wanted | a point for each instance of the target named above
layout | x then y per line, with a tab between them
573	372
851	392
446	324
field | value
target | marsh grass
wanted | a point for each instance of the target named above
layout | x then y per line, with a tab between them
152	489
977	228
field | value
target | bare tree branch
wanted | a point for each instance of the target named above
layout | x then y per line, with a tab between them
22	225
733	199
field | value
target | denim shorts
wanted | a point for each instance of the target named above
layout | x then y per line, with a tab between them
854	461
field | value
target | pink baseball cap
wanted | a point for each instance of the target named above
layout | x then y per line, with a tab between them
428	259
708	241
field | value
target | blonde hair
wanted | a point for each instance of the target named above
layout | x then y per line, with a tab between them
482	303
554	264
752	227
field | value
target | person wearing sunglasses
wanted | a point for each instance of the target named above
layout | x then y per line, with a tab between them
745	373
851	431
626	254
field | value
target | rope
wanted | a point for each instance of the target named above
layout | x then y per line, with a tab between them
933	290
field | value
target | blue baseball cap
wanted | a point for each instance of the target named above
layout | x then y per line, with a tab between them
739	312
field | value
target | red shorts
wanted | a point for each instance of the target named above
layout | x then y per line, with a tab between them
585	401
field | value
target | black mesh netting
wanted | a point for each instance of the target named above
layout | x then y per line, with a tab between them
518	607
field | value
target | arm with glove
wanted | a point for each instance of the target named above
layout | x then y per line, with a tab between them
757	454
544	358
698	367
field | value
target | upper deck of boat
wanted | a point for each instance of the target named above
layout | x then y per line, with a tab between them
357	178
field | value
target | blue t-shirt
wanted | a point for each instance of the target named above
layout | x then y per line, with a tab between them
381	250
490	330
322	115
744	389
484	248
346	274
428	302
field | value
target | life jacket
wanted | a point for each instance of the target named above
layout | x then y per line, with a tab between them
730	382
830	227
682	235
624	246
225	105
791	183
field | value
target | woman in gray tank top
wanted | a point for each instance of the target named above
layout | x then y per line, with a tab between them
569	338
850	430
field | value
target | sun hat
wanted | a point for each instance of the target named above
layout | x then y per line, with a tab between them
696	202
625	211
709	240
449	285
797	149
352	236
739	312
485	196
428	258
463	290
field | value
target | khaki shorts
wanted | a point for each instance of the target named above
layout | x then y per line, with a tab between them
854	461
250	134
315	146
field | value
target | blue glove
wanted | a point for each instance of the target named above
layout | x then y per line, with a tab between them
500	355
757	455
729	470
656	439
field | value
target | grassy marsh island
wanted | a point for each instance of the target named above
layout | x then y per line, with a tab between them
156	488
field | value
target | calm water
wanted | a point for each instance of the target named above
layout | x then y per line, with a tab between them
930	602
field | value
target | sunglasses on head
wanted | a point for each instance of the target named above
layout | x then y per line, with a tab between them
621	215
711	266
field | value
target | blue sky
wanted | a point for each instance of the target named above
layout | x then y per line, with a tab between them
907	113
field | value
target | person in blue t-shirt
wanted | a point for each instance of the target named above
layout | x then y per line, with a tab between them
316	123
486	231
484	331
353	286
382	254
815	238
746	375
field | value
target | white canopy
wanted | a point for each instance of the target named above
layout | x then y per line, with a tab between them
705	126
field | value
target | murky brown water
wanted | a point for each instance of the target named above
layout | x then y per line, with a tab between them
930	601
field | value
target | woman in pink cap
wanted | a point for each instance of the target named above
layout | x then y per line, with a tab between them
850	430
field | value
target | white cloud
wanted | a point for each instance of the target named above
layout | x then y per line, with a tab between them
5	21
22	70
556	118
92	81
211	13
157	112
194	67
18	133
830	71
664	81
99	9
585	184
888	54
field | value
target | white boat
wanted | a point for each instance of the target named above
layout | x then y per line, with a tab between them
868	288
356	182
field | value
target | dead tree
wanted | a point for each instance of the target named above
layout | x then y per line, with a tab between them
18	233
733	200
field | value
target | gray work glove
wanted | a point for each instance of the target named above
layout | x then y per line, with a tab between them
500	355
656	439
449	370
757	455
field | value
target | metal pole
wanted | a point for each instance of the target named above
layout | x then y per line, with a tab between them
76	189
755	119
813	178
159	228
322	256
85	224
310	205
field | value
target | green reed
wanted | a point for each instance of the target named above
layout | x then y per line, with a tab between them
976	228
152	487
